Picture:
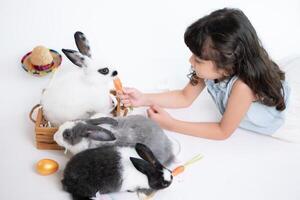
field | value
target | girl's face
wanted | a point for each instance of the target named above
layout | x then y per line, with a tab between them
206	69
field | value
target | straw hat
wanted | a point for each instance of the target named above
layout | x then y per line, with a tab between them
41	61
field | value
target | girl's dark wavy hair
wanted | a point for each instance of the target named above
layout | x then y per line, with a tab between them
228	38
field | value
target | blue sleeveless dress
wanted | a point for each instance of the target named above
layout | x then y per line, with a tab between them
259	118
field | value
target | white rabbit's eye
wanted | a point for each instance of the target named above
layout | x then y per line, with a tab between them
103	70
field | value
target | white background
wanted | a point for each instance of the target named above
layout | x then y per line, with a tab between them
144	40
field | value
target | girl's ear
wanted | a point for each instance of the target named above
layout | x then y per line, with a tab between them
224	73
82	44
75	57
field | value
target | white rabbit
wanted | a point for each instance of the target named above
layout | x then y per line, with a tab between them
79	93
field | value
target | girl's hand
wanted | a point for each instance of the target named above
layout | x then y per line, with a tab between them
131	97
160	116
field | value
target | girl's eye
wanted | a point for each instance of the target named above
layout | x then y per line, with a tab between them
103	71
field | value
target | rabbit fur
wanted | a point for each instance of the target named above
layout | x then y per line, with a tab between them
79	135
82	92
114	169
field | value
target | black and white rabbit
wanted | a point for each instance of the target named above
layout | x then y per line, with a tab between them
80	135
114	169
81	92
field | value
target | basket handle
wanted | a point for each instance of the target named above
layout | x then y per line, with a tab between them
31	112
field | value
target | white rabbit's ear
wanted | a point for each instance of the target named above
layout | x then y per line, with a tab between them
75	57
82	44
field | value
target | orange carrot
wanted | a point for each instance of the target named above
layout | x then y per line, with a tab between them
118	84
119	87
181	168
178	170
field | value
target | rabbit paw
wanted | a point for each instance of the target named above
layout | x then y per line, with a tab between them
145	194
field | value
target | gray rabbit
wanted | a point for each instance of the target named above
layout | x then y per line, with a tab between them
80	135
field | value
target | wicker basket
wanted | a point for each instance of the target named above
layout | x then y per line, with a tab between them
44	133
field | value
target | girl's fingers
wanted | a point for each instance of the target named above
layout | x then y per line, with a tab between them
125	101
151	112
127	104
123	97
119	93
128	90
155	108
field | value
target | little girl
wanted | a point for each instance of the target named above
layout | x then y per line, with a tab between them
248	88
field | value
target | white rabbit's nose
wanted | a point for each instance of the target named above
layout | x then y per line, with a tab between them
114	73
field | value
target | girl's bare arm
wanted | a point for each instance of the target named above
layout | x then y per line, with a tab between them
239	102
177	98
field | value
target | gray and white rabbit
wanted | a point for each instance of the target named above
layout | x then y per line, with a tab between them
80	135
114	169
82	92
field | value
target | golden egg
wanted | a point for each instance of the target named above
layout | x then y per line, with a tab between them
46	166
